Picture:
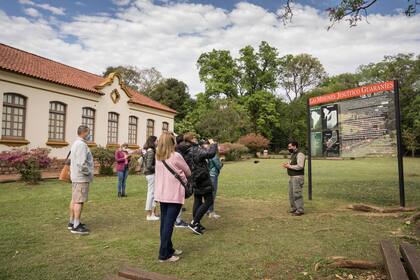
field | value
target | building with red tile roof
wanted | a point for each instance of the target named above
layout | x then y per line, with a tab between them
44	101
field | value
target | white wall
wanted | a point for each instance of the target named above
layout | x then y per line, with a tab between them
40	93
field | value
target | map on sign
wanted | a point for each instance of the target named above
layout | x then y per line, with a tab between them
358	122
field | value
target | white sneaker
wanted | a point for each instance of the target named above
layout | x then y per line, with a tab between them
171	259
213	215
178	252
152	218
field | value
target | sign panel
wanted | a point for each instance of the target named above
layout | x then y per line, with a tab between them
358	122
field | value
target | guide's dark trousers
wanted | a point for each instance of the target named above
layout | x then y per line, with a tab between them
296	193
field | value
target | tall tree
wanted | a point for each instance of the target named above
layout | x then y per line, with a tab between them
261	107
299	74
224	120
219	72
353	11
258	70
173	93
143	80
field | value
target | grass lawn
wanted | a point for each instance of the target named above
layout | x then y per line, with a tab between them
254	239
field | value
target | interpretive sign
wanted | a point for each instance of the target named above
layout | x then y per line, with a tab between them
354	123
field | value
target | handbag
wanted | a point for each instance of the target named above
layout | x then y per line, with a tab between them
65	172
189	190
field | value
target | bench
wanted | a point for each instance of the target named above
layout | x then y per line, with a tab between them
393	264
411	260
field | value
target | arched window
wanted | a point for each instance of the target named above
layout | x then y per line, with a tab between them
14	116
150	128
165	127
113	128
57	121
88	119
132	130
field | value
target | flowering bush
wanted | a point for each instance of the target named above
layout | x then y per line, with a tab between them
27	162
106	159
254	142
233	151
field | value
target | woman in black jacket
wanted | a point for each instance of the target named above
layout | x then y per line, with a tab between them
196	157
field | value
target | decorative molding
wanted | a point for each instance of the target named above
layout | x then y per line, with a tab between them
92	144
14	142
112	145
110	79
115	96
133	146
56	144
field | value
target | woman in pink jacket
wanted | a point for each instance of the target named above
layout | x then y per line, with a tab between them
169	193
122	158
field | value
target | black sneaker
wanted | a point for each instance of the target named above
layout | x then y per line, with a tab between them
181	224
124	194
70	225
202	228
80	230
195	228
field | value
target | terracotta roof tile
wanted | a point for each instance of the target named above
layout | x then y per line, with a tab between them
25	63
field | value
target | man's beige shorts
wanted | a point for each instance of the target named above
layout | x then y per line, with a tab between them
80	192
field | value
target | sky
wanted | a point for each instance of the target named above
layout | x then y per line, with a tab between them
171	35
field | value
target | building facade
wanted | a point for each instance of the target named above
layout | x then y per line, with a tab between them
44	102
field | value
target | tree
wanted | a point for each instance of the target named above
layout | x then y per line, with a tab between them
130	74
149	78
142	80
410	140
254	142
173	93
351	10
299	74
219	72
258	70
406	69
224	120
264	117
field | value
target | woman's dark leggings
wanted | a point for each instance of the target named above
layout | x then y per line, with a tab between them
200	208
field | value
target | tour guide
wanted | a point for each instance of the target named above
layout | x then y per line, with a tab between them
296	171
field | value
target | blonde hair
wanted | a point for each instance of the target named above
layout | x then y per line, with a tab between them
165	146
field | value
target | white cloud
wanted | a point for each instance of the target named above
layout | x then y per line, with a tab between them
171	37
52	9
32	12
121	2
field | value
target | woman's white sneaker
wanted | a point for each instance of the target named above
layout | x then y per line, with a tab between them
171	259
178	252
152	218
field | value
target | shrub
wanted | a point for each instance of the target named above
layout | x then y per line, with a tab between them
106	158
254	142
133	164
233	151
27	162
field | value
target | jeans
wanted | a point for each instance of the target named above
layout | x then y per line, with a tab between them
122	179
168	214
215	182
150	200
200	208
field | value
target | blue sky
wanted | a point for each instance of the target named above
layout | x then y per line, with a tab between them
73	8
171	35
